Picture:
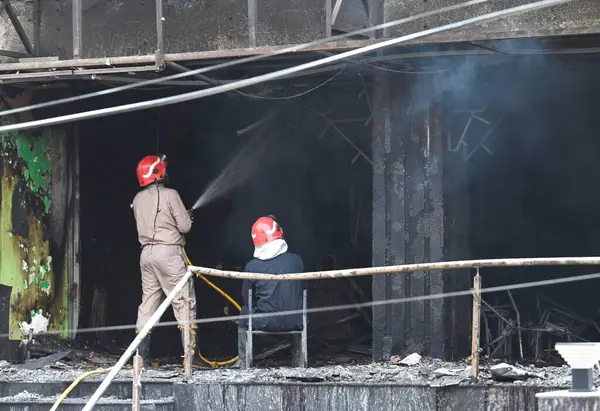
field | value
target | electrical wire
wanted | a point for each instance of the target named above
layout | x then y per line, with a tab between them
276	74
341	307
303	93
243	60
389	70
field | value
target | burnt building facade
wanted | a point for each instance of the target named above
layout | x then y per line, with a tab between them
413	123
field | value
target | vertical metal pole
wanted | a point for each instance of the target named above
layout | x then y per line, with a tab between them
252	21
37	21
187	334
476	328
249	342
376	16
304	334
77	38
328	13
336	10
160	46
137	383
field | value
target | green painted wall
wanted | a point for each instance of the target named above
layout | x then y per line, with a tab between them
26	262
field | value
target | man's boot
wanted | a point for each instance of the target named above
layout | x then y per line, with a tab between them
144	349
197	362
242	341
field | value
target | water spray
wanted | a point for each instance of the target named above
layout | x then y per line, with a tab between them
241	166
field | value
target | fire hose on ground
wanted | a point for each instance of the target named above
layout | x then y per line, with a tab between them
215	364
82	377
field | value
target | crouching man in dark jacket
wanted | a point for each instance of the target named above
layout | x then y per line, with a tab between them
270	296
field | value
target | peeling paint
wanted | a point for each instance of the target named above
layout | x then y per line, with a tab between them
39	323
26	263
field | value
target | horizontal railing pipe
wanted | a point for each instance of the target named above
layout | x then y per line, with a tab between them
405	268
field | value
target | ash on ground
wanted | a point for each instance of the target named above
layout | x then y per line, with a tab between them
428	372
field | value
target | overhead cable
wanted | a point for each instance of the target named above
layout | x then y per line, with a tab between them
240	61
143	105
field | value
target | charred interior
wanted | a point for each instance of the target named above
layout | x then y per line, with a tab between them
304	160
531	188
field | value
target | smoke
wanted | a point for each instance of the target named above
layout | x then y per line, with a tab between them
521	124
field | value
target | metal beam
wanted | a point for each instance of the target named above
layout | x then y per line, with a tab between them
3	6
328	23
77	28
191	56
7	78
12	15
375	16
336	10
13	54
252	22
37	23
160	43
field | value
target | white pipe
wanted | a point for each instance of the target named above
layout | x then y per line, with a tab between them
129	352
406	268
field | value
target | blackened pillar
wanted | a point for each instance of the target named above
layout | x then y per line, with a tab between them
415	220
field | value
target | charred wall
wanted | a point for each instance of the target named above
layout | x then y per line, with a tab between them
33	208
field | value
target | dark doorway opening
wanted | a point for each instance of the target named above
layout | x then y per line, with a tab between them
311	178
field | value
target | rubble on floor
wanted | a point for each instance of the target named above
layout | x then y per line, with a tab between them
15	373
429	372
71	361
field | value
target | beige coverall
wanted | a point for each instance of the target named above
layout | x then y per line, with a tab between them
162	261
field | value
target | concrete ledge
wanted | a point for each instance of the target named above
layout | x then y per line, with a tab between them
352	397
118	390
566	401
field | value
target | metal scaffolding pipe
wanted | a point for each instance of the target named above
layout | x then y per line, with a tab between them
77	28
406	268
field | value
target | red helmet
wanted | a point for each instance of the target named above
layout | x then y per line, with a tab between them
265	230
151	169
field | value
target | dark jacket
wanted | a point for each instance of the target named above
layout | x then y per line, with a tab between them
273	296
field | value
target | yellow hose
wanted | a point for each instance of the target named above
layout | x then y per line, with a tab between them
215	364
74	384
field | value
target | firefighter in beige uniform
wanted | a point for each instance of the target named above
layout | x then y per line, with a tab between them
162	222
